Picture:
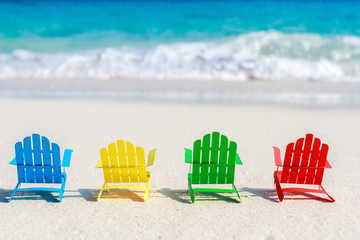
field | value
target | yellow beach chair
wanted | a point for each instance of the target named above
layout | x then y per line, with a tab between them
123	163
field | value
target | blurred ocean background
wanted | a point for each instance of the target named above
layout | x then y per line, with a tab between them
233	40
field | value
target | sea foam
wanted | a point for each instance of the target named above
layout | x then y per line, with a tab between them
269	56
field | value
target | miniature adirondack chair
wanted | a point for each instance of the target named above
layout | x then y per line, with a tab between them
38	163
212	162
304	163
123	163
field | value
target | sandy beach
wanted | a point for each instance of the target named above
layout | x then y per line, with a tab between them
162	74
86	125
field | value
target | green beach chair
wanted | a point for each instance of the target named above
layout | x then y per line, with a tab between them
212	161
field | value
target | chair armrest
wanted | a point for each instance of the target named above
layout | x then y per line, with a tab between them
277	156
13	162
188	155
327	164
151	157
99	164
238	160
67	158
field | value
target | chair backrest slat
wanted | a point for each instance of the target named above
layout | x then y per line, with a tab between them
39	174
223	156
205	158
196	159
140	157
232	158
47	161
28	152
55	153
314	158
37	150
315	153
130	153
297	152
322	162
307	150
214	158
304	163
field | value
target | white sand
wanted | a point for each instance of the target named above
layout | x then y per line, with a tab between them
88	125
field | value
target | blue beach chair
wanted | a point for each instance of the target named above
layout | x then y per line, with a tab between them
38	163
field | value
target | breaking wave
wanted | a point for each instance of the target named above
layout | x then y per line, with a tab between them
269	56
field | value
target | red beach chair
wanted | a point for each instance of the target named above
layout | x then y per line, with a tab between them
304	163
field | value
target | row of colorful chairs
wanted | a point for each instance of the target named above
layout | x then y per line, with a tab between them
212	162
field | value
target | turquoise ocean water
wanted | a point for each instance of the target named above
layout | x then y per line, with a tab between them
198	40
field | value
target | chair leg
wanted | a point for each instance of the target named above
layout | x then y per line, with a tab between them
16	188
236	192
102	189
147	188
62	189
278	187
331	199
190	189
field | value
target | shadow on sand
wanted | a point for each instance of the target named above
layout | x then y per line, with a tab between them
271	195
183	196
92	194
28	195
265	193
